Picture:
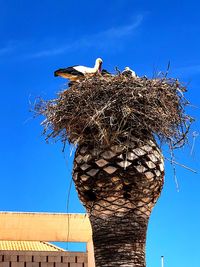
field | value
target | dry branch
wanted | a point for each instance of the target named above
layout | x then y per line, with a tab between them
102	111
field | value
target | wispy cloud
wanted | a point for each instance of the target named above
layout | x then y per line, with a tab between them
8	48
100	40
50	52
106	39
121	31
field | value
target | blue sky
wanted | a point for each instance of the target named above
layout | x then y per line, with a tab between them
38	37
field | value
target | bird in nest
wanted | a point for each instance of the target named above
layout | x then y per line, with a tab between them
129	73
105	73
77	73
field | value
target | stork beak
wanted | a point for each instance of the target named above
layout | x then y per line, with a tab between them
100	67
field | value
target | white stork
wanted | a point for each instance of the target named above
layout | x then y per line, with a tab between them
129	72
75	73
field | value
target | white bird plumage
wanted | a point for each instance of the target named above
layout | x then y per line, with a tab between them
76	73
129	72
88	70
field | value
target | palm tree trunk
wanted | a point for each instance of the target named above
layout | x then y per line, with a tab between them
119	187
119	241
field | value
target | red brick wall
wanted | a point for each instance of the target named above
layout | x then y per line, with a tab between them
42	259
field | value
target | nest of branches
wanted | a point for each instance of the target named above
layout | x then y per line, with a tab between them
106	110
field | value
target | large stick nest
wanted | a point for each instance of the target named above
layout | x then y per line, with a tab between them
106	110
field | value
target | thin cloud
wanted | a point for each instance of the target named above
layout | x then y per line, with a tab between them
103	40
118	32
8	48
100	40
55	51
50	52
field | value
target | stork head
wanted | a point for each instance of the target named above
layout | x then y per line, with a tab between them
131	72
99	60
98	64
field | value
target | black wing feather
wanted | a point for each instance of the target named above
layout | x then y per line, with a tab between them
69	70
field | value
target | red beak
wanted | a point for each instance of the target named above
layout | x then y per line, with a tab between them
100	65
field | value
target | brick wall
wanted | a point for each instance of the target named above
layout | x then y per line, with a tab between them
42	259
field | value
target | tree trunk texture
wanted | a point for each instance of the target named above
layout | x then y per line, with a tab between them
119	241
119	187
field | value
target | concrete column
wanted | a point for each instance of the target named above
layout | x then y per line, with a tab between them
90	251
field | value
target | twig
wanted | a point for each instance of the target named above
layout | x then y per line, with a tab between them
195	135
167	71
173	166
83	112
182	165
117	70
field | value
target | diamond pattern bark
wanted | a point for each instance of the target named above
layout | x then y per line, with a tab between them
119	187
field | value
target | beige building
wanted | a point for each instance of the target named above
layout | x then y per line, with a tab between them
25	237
